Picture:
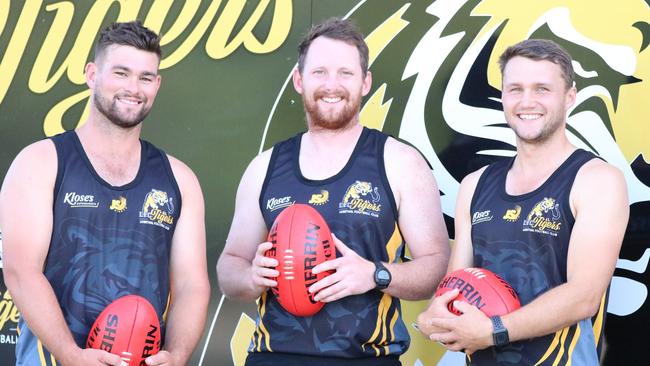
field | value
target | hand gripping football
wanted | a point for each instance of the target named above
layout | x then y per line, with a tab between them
301	240
127	327
481	288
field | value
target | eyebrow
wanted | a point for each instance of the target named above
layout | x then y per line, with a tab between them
125	68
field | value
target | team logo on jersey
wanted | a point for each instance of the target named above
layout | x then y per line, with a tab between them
320	198
157	209
118	205
276	203
512	215
481	216
543	218
73	199
361	198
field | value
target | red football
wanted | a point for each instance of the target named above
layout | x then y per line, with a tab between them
481	288
301	240
127	327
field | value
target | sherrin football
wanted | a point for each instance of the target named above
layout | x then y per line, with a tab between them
481	288
301	240
128	327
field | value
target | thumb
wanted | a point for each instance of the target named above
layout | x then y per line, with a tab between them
111	359
448	296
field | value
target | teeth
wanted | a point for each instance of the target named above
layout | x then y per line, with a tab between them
529	116
331	100
129	101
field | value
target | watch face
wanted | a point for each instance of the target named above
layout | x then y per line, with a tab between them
383	275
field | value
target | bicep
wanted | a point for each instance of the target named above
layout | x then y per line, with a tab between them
188	254
26	207
462	255
598	230
420	214
248	228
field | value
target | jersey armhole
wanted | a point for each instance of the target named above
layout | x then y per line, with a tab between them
267	175
170	175
381	149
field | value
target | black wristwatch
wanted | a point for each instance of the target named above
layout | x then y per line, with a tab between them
382	276
499	332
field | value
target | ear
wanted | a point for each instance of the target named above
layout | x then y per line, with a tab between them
158	80
367	83
91	73
570	97
297	81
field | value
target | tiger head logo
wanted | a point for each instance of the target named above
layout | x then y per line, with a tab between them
156	200
543	207
358	189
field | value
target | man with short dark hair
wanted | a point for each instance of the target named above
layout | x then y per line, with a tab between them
396	201
551	224
94	214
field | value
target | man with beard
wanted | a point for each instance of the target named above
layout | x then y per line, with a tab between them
559	254
397	202
94	214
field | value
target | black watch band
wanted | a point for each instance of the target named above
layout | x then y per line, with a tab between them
382	276
499	332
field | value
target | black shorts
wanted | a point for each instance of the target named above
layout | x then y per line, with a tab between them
286	359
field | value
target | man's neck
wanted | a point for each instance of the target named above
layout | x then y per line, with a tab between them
323	153
535	163
114	152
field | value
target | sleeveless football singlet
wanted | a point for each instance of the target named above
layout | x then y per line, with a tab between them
525	240
107	241
360	209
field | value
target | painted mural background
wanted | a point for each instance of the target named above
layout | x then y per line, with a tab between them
225	97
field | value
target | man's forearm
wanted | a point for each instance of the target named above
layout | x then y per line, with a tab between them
416	279
186	321
235	279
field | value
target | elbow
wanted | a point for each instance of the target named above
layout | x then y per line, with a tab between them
589	307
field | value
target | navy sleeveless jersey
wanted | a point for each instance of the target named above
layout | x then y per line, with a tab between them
107	241
525	240
359	207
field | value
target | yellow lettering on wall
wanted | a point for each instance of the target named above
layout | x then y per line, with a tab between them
53	123
216	46
38	79
194	37
45	74
182	21
17	43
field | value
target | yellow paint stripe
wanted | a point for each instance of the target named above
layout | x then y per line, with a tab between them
560	353
574	341
379	38
551	348
374	111
598	323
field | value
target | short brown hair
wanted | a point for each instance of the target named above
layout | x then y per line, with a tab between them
132	34
338	29
541	50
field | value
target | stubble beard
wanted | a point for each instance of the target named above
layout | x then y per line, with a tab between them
111	111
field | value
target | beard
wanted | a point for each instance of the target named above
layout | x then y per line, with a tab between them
542	135
120	118
332	119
